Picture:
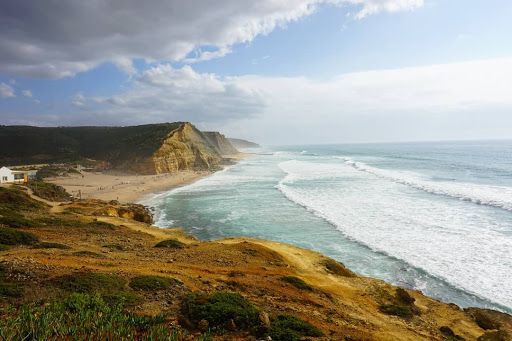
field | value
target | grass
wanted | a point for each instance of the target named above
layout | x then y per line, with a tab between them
11	236
17	221
286	327
117	247
88	254
171	243
8	288
337	268
219	308
150	283
84	317
296	282
48	245
4	247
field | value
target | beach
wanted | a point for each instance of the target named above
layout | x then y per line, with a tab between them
128	187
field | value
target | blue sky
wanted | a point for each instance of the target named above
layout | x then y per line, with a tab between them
281	67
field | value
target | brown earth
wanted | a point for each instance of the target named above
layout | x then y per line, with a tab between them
343	305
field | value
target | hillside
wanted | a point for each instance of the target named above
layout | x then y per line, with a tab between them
231	289
148	149
242	144
222	144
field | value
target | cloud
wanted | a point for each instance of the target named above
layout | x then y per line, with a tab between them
6	91
27	93
55	39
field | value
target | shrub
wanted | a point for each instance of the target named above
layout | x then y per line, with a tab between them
88	254
7	287
102	224
10	236
337	268
89	283
117	247
218	308
48	245
396	310
83	317
286	327
17	221
404	297
296	282
4	247
53	221
150	283
171	243
49	191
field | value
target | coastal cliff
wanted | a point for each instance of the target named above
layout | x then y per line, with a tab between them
230	289
242	144
220	142
146	149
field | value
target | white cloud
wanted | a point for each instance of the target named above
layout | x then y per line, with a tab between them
59	39
6	91
27	93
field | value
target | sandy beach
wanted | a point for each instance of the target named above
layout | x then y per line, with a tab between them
128	187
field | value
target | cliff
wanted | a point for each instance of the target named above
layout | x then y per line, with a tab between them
239	288
219	141
242	144
148	149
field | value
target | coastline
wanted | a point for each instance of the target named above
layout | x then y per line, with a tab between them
127	187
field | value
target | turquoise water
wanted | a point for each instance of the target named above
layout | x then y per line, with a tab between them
436	217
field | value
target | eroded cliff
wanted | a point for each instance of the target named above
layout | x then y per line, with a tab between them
220	142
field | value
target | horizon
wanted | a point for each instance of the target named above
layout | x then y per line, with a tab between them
301	72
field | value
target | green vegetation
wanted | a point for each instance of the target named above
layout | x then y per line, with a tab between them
8	288
117	247
14	200
49	191
111	288
55	221
396	310
286	327
88	254
150	283
65	144
48	245
102	224
171	243
4	247
83	317
219	308
10	236
337	268
17	221
296	282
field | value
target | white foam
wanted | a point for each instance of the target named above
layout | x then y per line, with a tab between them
497	196
460	243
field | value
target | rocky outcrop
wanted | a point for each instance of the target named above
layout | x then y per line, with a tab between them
242	144
184	148
220	142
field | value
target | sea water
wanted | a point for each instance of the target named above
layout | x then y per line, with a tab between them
435	217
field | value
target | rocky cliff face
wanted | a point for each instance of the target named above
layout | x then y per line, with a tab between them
242	144
220	142
184	148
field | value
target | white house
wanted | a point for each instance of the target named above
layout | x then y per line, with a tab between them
6	175
10	176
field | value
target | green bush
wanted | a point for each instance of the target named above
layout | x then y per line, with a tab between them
286	327
4	247
337	268
88	254
171	243
90	283
396	310
8	288
53	221
117	247
218	308
150	283
10	236
296	282
102	225
48	245
17	221
83	317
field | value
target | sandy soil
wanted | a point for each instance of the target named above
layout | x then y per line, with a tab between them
127	187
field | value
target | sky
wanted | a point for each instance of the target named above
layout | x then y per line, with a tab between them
271	71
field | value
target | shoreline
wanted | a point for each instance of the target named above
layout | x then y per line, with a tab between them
127	187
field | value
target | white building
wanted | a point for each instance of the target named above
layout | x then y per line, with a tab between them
9	176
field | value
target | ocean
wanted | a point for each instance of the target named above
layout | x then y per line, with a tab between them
435	217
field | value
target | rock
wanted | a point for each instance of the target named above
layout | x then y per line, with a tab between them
496	335
185	322
448	332
264	321
230	325
203	326
490	319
